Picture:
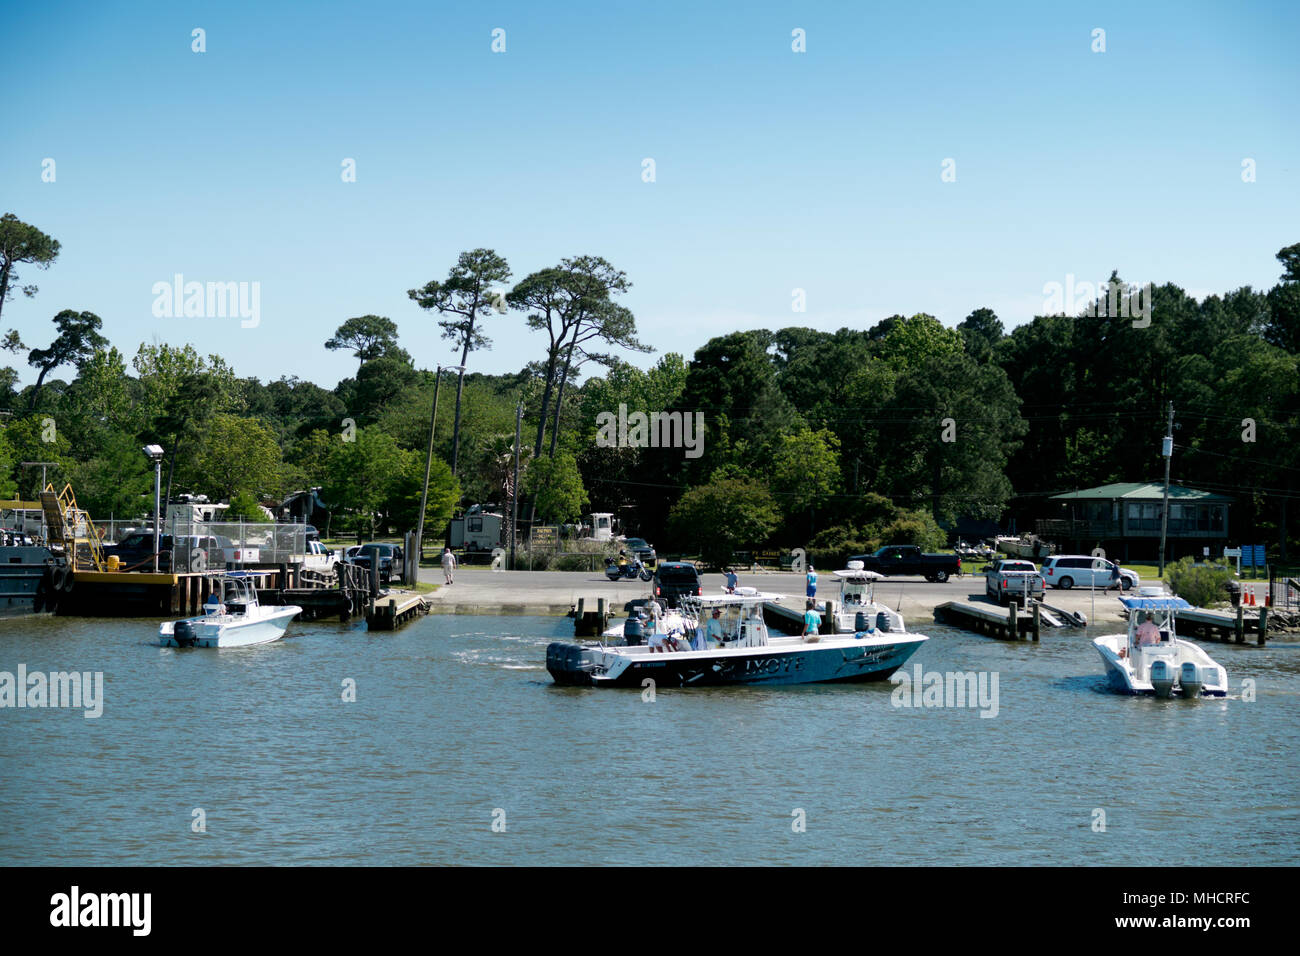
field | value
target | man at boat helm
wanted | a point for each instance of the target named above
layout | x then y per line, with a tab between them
713	629
1148	633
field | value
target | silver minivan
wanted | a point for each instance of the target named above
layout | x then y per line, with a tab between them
1067	571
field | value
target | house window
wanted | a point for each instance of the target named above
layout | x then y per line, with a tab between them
1216	518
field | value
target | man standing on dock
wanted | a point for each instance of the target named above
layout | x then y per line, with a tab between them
448	564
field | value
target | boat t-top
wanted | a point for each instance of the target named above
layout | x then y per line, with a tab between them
858	609
724	639
233	618
1150	658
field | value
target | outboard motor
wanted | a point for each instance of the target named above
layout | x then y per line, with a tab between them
183	634
882	622
860	621
569	663
1189	678
634	630
1162	678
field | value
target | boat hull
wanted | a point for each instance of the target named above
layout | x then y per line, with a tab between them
33	580
224	631
796	663
1122	679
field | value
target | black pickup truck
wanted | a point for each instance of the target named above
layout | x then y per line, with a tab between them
896	559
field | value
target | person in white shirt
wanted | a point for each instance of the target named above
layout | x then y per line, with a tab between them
448	564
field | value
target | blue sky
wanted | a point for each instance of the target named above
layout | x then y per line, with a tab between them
775	170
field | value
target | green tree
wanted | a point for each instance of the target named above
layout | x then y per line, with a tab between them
722	517
468	295
444	494
364	473
77	341
368	336
234	454
556	485
244	507
20	242
981	331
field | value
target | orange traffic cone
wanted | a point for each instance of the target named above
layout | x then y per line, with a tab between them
1250	597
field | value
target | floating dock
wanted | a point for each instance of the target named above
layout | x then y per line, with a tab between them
1227	626
395	609
1012	624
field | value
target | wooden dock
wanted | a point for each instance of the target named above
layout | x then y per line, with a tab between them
589	621
395	609
1227	626
1013	624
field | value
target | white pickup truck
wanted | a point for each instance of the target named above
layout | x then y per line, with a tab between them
318	557
1013	579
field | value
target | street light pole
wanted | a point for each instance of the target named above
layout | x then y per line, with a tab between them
428	463
1168	450
155	454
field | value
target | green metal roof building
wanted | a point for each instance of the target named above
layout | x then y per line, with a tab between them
1124	518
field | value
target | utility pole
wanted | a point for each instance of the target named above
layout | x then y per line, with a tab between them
428	465
514	487
1167	450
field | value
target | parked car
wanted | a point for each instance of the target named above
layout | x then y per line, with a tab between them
390	558
194	552
641	549
672	579
1014	578
898	559
1067	571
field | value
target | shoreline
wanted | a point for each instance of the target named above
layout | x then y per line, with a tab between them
554	593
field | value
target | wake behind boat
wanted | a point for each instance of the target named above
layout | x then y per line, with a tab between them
733	647
1151	659
237	620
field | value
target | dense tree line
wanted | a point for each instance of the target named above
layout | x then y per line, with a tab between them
824	440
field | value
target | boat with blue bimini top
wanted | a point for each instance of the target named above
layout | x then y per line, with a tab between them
723	639
233	618
1150	658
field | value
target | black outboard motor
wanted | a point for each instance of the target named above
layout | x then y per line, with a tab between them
882	622
568	664
634	630
860	621
183	633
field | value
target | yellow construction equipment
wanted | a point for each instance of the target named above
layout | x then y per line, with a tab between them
70	526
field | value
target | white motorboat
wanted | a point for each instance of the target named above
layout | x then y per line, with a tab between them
858	609
1158	662
234	620
746	654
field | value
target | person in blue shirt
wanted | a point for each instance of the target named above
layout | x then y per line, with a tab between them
812	581
812	622
732	580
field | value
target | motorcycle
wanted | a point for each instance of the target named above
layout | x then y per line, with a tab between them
631	571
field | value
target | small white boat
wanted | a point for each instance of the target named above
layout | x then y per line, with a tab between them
858	610
236	620
1163	665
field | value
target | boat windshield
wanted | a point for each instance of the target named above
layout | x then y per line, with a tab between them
1151	620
